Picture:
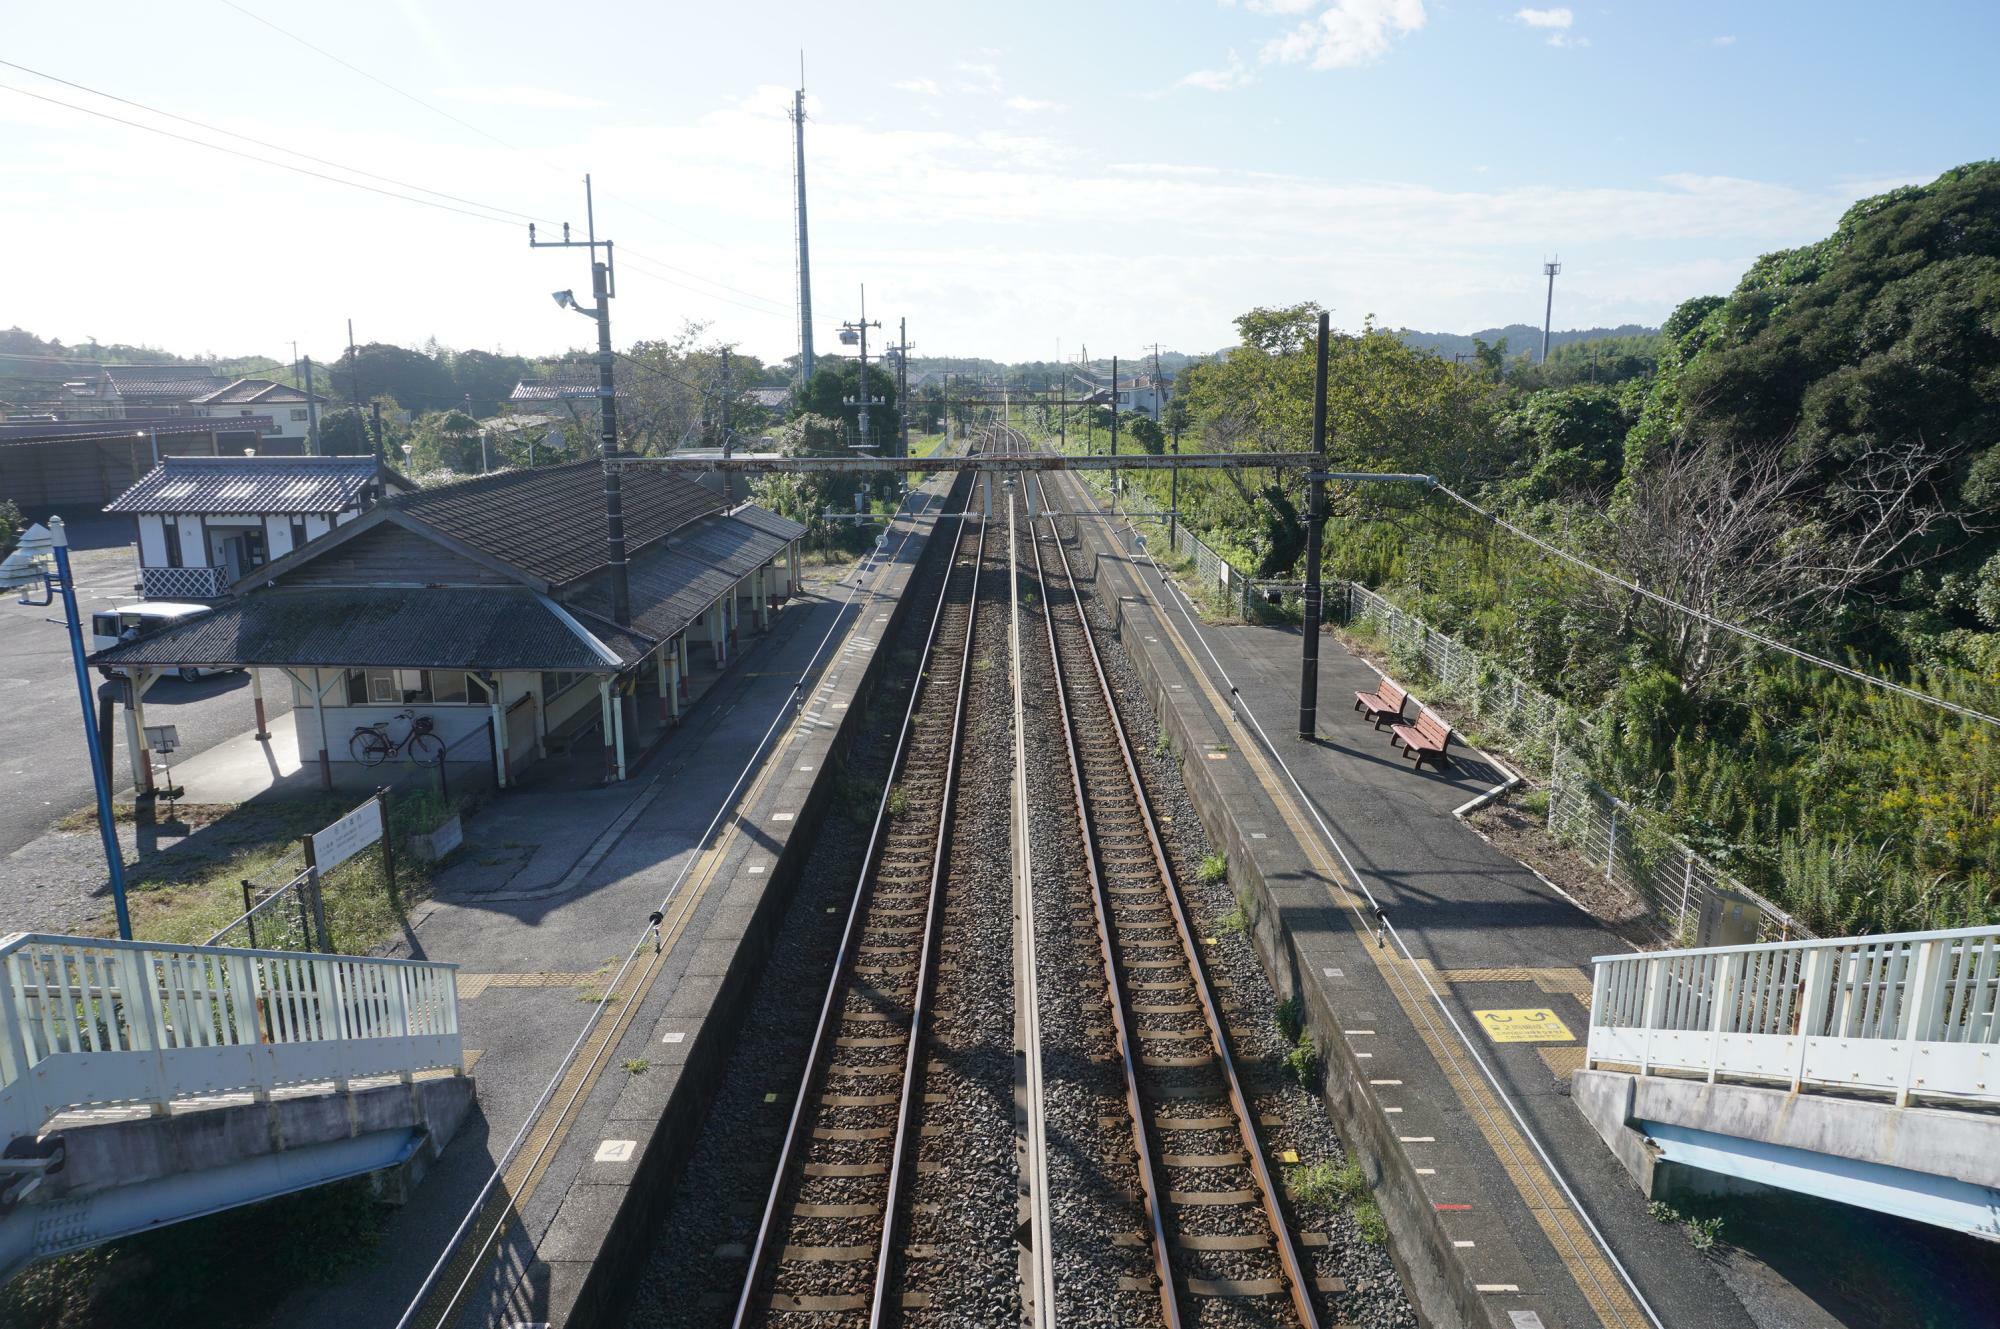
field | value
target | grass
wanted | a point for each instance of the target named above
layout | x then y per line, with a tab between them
1330	1189
637	1065
1702	1232
1303	1062
1237	920
1214	870
188	892
1163	745
899	802
1290	1018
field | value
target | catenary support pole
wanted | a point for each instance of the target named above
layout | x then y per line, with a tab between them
1315	520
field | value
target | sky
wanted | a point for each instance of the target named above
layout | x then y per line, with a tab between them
1017	183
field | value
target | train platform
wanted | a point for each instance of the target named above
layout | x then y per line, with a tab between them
710	834
1447	1066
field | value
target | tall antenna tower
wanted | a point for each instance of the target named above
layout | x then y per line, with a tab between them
1549	269
799	188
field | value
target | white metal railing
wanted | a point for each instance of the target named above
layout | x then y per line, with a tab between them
183	583
90	1023
1912	1013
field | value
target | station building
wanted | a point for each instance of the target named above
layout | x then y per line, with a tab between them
486	606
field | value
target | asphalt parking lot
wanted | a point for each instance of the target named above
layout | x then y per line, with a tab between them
44	764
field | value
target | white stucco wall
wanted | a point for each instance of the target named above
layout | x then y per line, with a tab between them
152	541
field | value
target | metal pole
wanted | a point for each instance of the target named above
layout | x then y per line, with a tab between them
1315	518
607	401
312	412
114	857
1174	493
388	845
1548	310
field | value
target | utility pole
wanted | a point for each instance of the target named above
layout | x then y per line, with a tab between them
354	387
312	412
804	262
1549	270
903	384
725	401
861	400
1315	520
1159	385
1114	424
603	287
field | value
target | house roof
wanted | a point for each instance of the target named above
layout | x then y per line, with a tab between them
137	429
558	388
190	485
255	391
168	382
548	521
406	628
771	398
677	578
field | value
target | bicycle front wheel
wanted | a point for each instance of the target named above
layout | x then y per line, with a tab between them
368	747
426	749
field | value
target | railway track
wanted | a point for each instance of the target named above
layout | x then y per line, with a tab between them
1220	1247
828	1247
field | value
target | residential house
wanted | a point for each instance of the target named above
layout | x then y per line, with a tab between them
205	523
290	410
121	392
1140	392
486	605
75	467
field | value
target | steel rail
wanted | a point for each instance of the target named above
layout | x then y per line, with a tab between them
1149	1179
764	463
1281	1232
831	1009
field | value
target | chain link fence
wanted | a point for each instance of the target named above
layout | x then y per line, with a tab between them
1685	890
279	912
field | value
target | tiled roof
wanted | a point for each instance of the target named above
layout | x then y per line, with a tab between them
248	391
671	583
174	382
427	628
548	521
52	431
554	389
251	484
768	522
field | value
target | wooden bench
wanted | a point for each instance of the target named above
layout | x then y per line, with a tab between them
1384	703
1428	737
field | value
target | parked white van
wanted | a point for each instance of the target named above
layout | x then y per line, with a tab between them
125	622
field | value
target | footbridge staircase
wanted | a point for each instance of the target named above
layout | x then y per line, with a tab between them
142	1084
1863	1069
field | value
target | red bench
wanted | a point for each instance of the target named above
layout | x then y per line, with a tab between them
1428	737
1384	703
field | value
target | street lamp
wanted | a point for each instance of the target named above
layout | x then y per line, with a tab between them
65	580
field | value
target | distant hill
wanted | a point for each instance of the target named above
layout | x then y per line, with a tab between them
1520	337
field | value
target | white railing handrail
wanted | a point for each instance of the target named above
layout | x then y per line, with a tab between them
1805	943
1906	1013
91	1022
13	941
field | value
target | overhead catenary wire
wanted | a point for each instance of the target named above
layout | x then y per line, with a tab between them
1737	629
655	925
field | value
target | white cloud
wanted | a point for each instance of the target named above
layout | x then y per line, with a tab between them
1728	39
1545	18
1033	104
1564	39
923	87
522	96
1231	76
979	77
1347	33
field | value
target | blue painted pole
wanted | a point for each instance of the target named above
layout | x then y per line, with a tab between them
113	856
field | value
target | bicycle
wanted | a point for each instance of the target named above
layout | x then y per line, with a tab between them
373	744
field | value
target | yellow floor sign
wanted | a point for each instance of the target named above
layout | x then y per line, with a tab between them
1538	1025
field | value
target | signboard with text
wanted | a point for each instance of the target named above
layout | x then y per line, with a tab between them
348	836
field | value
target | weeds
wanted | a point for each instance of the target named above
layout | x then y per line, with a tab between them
1237	921
1702	1233
637	1065
1369	1222
1290	1016
1303	1061
1214	870
899	802
1163	745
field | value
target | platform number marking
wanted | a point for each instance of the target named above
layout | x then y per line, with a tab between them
1538	1025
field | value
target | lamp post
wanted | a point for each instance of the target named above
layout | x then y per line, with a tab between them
64	580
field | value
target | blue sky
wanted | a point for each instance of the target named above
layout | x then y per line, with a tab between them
1011	179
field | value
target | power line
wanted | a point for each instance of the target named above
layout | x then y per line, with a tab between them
483	133
275	147
251	156
1750	634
